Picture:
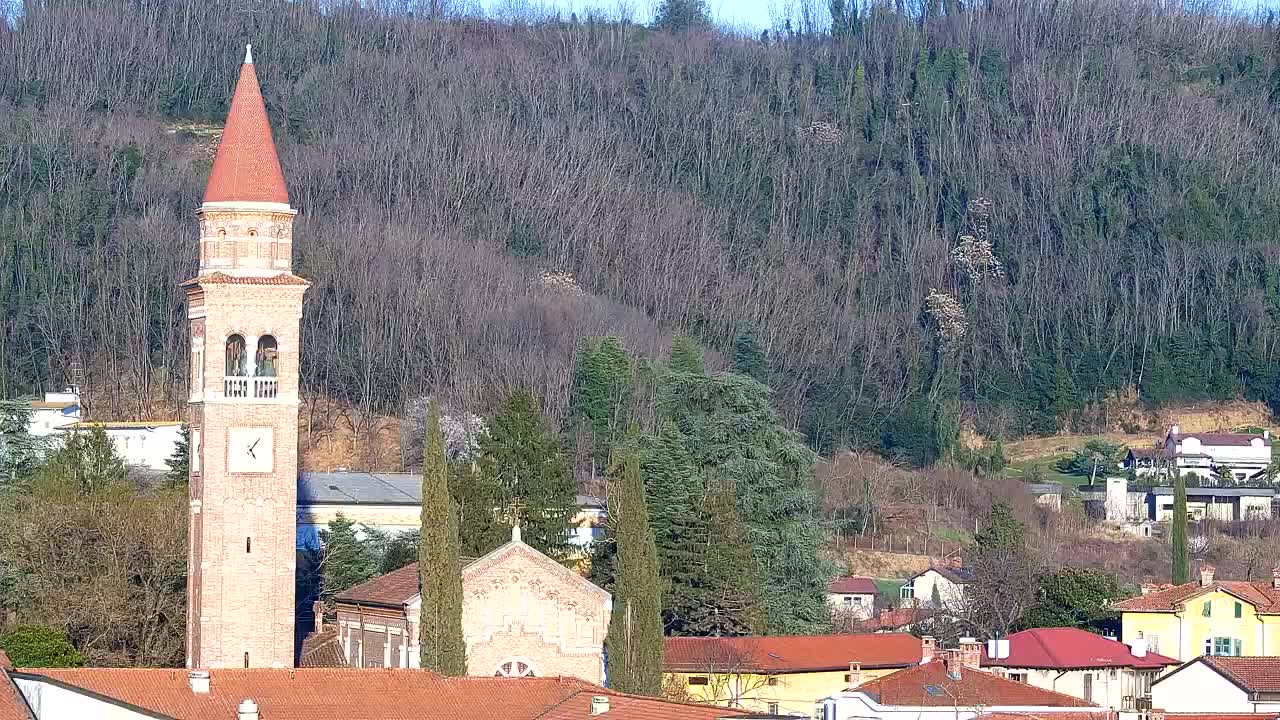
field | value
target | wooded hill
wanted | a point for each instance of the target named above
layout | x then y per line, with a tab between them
995	212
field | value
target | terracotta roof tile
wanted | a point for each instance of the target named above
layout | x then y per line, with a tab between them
12	705
929	685
788	654
1220	716
322	650
1067	648
1261	595
1099	714
217	278
246	166
1256	674
898	617
852	585
394	589
366	694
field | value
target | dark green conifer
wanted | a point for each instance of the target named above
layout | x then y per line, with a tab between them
439	571
1178	532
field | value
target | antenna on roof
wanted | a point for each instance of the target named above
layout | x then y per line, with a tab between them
248	54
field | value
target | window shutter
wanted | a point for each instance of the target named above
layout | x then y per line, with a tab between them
1237	649
1207	609
1239	610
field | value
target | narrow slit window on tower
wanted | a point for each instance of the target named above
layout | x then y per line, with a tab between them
246	659
248	544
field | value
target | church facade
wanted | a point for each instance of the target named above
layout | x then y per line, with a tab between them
523	615
244	309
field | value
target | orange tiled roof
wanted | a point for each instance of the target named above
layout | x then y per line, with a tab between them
1261	595
12	705
391	590
1220	716
1254	674
322	650
368	694
246	166
852	585
929	685
217	278
789	654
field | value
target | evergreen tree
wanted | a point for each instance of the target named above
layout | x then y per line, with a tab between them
686	356
674	488
731	429
602	394
346	561
88	461
727	602
20	452
478	500
180	461
1003	531
440	640
748	357
1178	532
682	15
523	462
40	646
635	627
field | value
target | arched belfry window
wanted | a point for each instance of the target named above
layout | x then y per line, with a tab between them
267	359
515	667
237	358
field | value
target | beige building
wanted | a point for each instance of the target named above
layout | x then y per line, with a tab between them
523	615
243	309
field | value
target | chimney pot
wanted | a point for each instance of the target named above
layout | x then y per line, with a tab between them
953	664
928	646
599	704
317	609
199	681
1206	575
1157	715
248	710
855	674
970	653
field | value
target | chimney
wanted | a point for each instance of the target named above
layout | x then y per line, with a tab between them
1175	430
317	609
1138	647
953	664
928	646
199	681
855	674
1206	575
248	710
599	704
1156	715
970	653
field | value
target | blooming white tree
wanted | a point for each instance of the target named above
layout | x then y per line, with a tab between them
948	315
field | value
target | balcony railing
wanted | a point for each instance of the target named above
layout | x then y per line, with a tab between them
251	387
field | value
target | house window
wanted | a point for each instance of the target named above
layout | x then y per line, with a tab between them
772	680
698	680
1018	677
1088	687
1222	646
1239	610
848	601
907	592
1207	609
514	668
773	708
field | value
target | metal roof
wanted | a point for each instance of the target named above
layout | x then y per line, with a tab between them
1218	491
366	488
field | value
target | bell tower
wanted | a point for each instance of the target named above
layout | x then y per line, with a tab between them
244	308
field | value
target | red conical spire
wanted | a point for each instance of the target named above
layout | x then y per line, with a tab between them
246	167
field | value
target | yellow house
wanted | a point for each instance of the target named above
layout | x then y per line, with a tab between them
782	674
1209	617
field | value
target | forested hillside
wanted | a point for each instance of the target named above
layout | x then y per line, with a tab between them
996	212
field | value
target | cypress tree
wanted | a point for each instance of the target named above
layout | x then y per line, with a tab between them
1178	531
440	640
635	628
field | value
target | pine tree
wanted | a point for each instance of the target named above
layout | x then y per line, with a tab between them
728	604
87	460
686	356
748	357
675	493
1178	532
180	461
346	561
523	461
1003	531
682	15
478	500
635	627
20	452
602	394
439	570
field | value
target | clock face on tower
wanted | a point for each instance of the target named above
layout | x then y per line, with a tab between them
249	450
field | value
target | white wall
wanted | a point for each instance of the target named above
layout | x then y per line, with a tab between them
149	447
860	604
1197	688
950	593
51	702
45	422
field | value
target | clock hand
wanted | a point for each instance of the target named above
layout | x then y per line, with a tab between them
251	447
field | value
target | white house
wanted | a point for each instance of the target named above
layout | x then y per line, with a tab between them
951	688
1081	664
1220	684
854	595
54	412
146	443
941	585
1245	456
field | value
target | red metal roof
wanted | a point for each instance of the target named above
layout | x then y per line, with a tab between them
852	585
1065	648
246	167
789	653
929	685
369	693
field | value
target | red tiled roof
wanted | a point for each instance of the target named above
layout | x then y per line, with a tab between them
1264	597
896	618
1230	439
322	650
394	589
929	685
246	166
1055	715
1065	648
12	705
1254	674
852	585
369	694
1220	716
789	653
